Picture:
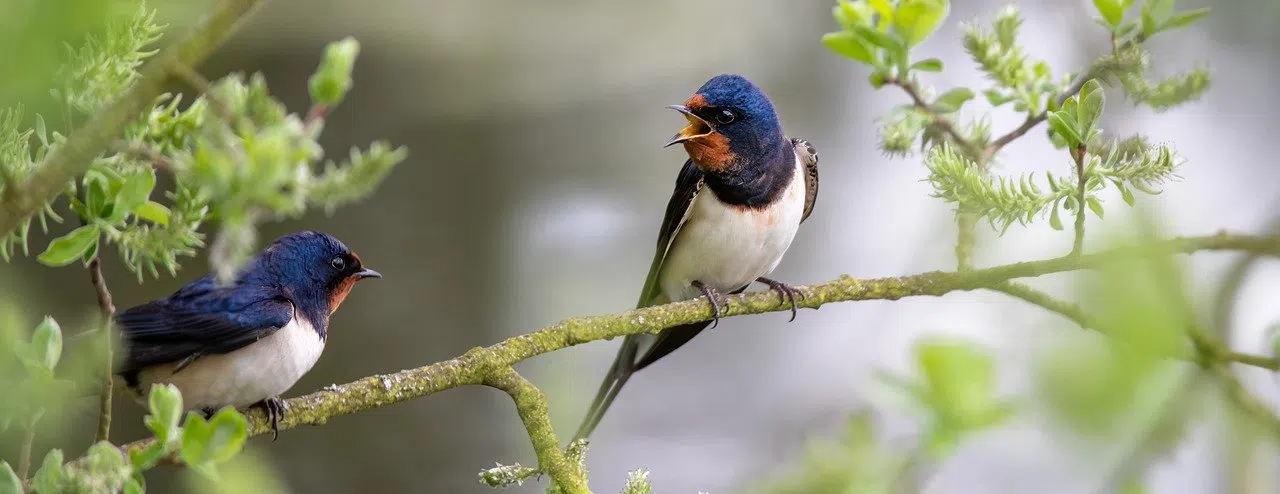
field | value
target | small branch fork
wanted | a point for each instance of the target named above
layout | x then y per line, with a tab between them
531	405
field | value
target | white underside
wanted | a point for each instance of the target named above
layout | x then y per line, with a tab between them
728	247
260	370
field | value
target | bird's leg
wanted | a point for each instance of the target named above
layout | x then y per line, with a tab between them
712	296
787	292
275	409
209	411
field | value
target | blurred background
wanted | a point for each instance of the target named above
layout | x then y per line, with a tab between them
536	182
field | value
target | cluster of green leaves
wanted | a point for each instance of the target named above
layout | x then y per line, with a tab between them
1130	164
45	386
236	154
957	156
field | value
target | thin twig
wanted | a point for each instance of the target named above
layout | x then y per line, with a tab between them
1036	297
91	139
28	442
531	406
937	120
190	77
143	152
1034	119
472	368
1077	314
108	308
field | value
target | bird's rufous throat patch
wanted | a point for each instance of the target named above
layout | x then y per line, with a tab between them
708	149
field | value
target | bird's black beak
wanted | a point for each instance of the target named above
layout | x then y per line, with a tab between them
367	273
697	126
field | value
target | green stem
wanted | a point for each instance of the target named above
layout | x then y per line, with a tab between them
531	406
93	138
24	456
476	366
1077	244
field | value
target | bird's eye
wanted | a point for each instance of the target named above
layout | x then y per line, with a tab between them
725	116
338	263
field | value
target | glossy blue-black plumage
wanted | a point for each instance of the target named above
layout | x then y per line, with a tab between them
764	158
295	276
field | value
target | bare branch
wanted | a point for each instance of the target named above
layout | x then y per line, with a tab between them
108	308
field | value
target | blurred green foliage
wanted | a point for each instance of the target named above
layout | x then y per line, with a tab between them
236	156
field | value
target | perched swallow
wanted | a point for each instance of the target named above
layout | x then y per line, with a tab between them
737	204
242	343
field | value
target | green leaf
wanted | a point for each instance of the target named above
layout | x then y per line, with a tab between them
46	343
881	39
68	248
154	212
1125	194
960	377
1064	125
1160	9
1112	11
928	65
195	437
165	404
332	79
135	485
1089	109
952	100
1055	221
884	8
915	20
214	441
49	476
847	44
995	97
41	132
229	432
1094	206
9	481
877	79
849	14
1185	18
134	192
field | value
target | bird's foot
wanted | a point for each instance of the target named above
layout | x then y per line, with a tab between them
209	411
713	297
275	409
787	292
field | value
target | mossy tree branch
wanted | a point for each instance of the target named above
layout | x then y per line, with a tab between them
531	405
491	365
96	136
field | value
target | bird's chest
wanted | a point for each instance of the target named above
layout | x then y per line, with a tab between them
727	246
262	369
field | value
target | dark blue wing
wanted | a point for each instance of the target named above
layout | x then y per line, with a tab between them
200	319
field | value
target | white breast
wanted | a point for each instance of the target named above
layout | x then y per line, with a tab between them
263	369
728	247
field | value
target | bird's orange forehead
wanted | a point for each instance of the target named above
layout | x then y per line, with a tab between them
696	102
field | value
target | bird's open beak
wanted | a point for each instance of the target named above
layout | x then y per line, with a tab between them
697	126
367	273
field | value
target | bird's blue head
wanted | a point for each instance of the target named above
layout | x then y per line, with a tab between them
315	267
731	122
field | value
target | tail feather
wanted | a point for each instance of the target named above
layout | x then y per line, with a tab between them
619	373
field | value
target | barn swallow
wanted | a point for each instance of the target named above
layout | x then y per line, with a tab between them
737	204
242	343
